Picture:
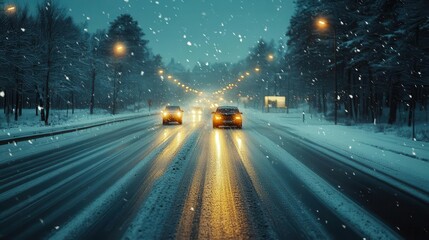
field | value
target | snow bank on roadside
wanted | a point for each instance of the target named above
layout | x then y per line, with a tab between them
400	158
29	123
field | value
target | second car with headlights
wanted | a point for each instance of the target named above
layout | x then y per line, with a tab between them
172	114
227	116
197	110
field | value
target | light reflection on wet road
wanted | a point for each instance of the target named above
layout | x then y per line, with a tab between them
144	180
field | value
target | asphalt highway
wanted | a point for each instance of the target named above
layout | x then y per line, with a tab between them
139	179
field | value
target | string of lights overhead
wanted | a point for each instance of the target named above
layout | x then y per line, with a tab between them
221	91
235	83
177	82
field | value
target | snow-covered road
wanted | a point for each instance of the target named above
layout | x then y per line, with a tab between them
141	180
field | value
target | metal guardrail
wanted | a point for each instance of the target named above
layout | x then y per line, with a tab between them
73	129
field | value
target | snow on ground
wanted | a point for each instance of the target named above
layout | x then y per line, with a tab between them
30	124
383	152
350	212
384	155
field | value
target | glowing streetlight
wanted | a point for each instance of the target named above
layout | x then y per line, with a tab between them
257	69
270	57
323	24
119	49
10	9
160	72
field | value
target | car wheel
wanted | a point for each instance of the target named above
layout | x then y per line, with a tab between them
215	126
240	126
180	122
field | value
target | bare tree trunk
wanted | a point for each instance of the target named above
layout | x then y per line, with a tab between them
17	91
393	102
72	102
324	107
47	96
8	107
37	102
17	98
412	107
21	102
372	97
40	105
47	90
5	102
349	101
91	104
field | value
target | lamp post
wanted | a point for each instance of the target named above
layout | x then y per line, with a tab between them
10	9
323	24
10	12
119	51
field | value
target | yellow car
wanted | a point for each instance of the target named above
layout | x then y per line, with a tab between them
197	110
227	116
172	114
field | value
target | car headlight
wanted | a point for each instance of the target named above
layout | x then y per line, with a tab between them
237	117
164	114
179	114
217	117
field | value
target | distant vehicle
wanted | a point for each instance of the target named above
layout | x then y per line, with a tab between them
172	114
197	110
227	116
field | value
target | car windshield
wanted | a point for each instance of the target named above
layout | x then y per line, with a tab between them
214	119
227	110
172	108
